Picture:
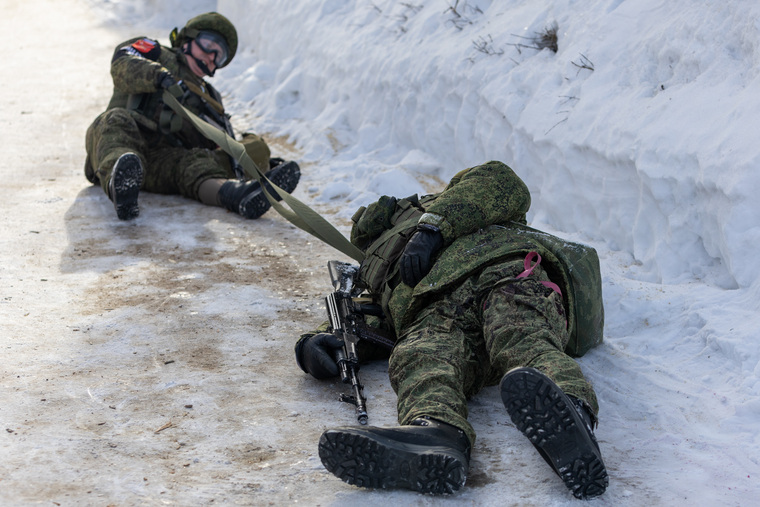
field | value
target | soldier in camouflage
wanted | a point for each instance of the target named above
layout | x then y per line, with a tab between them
138	143
470	307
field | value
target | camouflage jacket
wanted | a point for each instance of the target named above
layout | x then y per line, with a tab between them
136	69
476	214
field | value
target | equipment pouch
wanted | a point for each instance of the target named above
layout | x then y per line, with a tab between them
169	122
375	269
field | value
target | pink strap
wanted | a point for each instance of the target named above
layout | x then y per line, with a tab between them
529	270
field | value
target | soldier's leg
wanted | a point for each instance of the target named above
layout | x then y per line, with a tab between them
429	453
524	325
246	197
440	361
177	170
112	134
543	389
208	177
432	368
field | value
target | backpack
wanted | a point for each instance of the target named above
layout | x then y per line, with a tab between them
583	284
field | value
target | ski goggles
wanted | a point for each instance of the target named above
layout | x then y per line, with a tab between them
213	43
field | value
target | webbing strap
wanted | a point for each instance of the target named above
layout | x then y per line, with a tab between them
302	216
211	101
380	241
529	270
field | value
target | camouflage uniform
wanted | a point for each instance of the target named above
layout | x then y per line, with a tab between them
470	319
176	158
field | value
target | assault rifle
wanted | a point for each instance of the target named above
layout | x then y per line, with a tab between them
346	312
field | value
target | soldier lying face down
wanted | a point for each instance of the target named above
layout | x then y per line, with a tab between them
474	297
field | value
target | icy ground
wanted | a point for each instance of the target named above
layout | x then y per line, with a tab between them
150	362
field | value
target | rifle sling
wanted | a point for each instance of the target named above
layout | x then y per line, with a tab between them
211	101
300	215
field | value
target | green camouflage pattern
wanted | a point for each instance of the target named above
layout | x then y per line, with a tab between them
478	197
175	164
470	320
168	169
471	337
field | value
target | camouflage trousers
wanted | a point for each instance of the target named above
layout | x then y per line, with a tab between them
471	337
168	169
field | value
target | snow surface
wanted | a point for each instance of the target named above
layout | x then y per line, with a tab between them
638	136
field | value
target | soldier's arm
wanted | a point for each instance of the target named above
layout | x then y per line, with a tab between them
135	67
478	197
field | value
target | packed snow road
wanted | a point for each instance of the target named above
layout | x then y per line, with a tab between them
151	362
147	362
144	362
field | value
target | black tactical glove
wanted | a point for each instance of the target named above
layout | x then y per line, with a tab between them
315	355
417	259
165	81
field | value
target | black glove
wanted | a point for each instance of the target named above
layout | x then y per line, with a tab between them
315	355
166	81
417	259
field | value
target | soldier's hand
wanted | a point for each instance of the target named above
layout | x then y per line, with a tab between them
417	259
166	81
315	355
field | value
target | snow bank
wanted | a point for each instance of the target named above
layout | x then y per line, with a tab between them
623	153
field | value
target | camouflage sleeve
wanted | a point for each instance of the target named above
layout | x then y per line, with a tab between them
135	67
484	195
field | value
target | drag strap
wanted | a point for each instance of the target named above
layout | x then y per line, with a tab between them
529	270
211	101
299	214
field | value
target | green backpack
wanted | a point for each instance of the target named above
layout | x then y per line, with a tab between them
583	285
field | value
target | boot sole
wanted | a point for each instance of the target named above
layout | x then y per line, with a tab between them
384	463
126	180
544	414
285	176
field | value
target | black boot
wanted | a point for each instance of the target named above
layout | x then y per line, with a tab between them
559	427
233	192
427	456
124	186
247	198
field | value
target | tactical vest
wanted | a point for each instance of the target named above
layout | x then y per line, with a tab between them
379	267
148	110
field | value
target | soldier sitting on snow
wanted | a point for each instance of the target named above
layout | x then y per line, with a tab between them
138	143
